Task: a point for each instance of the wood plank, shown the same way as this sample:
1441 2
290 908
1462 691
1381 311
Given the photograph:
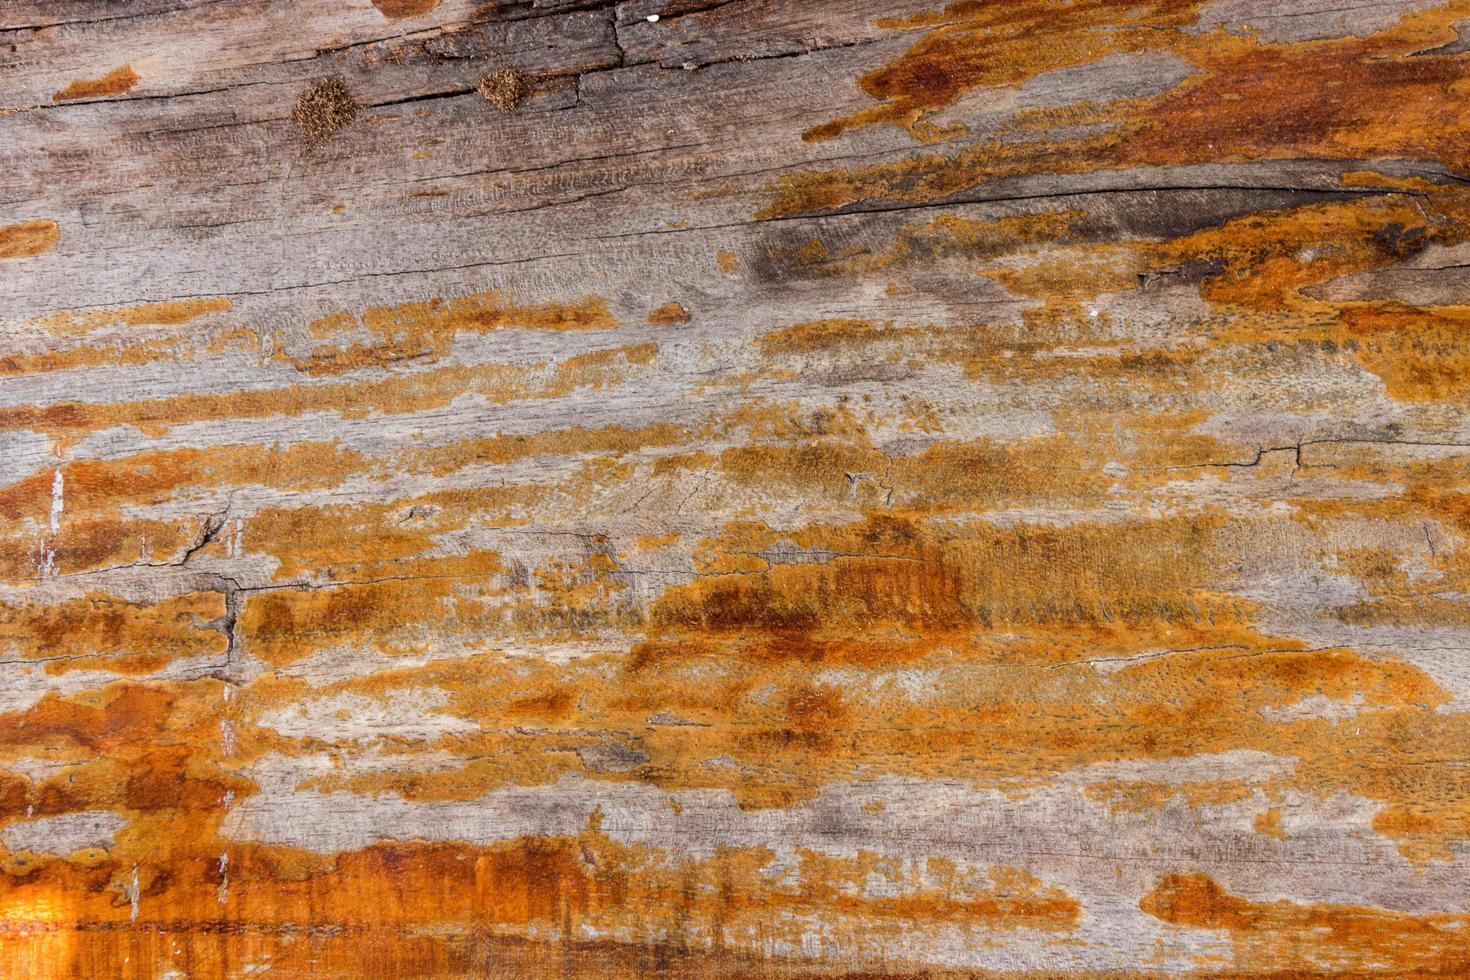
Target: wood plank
837 489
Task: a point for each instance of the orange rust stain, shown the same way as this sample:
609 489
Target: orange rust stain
671 314
28 238
115 82
1335 938
399 9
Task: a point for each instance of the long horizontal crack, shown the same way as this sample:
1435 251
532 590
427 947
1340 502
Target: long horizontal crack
1296 447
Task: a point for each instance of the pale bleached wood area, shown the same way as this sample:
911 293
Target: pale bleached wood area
757 488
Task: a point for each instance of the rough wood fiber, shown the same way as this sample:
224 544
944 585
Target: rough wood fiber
814 489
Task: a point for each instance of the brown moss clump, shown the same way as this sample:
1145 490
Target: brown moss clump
505 88
324 109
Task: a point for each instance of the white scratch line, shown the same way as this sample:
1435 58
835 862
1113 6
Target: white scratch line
56 503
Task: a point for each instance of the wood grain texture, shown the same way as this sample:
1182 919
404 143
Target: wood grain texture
817 489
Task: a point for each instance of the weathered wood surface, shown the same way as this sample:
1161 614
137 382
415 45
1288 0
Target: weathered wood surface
821 488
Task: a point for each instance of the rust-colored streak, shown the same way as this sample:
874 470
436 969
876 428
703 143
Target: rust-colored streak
426 330
115 82
496 383
1329 938
103 632
399 9
28 238
1012 520
671 314
1212 115
167 313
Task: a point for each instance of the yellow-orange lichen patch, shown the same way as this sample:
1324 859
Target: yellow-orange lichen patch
820 335
106 632
671 314
95 488
150 750
166 313
28 238
599 369
93 528
400 393
953 477
156 754
1207 116
1335 938
587 894
384 335
1258 272
347 537
431 389
31 552
609 440
891 570
973 45
1141 796
399 9
40 948
782 735
1420 353
983 239
1260 262
428 607
115 82
1211 115
92 356
1268 822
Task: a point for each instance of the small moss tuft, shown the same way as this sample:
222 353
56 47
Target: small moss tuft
324 109
505 88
